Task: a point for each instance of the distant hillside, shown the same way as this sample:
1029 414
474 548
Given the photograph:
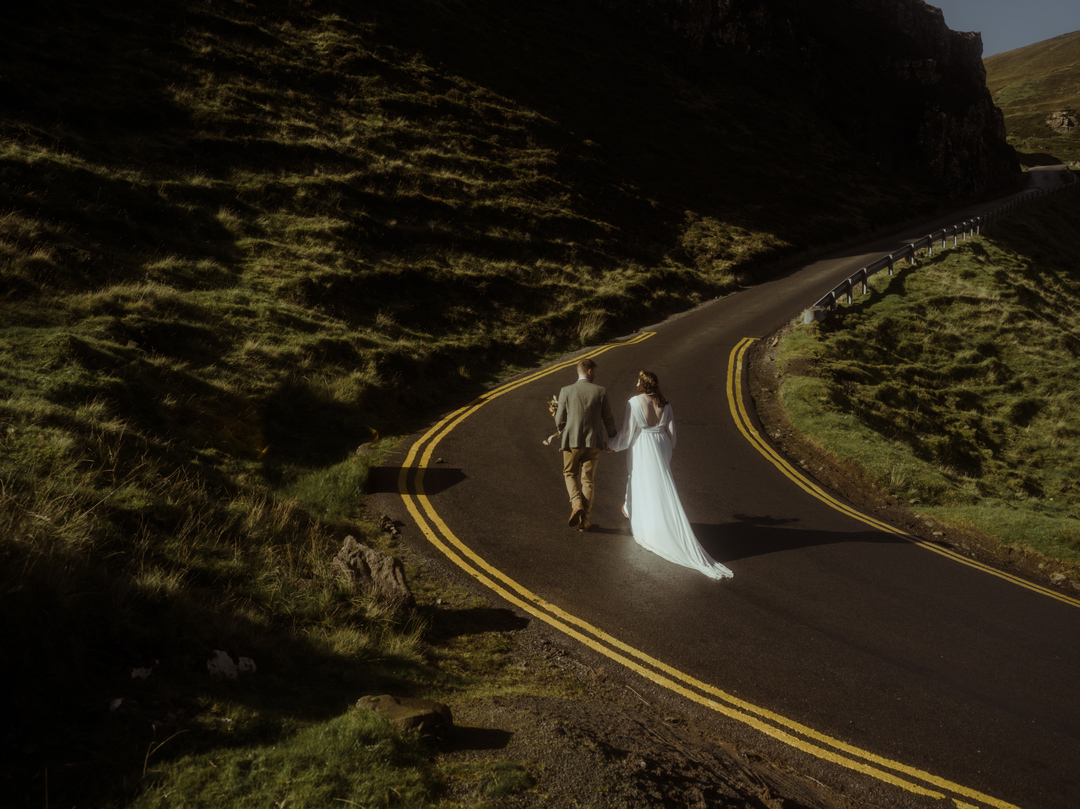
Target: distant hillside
1038 89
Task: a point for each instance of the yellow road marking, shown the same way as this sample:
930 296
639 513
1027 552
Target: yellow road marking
736 401
767 722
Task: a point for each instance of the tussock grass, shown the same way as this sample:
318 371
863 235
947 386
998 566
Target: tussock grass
953 385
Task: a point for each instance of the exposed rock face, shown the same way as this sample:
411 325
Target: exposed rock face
889 74
1063 121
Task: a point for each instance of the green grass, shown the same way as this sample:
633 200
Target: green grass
352 759
953 384
1029 84
238 241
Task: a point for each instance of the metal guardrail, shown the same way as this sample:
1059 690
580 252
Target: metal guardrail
961 231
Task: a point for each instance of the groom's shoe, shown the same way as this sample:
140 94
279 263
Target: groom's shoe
584 525
577 516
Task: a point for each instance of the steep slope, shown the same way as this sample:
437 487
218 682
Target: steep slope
1038 89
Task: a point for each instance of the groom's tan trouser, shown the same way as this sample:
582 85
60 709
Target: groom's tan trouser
579 469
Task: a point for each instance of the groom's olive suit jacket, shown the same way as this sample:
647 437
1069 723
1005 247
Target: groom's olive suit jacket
583 416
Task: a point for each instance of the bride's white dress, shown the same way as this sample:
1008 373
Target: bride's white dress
656 514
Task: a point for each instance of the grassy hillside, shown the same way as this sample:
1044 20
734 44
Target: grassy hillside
953 385
1030 83
237 241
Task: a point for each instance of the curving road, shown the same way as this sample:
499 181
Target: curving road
878 663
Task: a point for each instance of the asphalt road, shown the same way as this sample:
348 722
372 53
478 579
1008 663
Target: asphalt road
847 644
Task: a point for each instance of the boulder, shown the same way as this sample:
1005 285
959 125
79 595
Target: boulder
424 716
375 573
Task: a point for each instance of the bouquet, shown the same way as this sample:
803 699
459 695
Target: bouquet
553 408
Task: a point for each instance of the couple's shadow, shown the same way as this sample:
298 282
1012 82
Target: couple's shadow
755 535
611 532
750 535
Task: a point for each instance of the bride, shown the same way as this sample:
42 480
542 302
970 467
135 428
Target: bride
656 514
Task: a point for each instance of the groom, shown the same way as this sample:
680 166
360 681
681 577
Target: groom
583 415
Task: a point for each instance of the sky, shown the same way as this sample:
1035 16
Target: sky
1009 24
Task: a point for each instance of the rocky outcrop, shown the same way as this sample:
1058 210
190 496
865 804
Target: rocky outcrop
1063 121
889 74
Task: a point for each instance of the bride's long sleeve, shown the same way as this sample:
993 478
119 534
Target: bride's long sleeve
625 436
670 424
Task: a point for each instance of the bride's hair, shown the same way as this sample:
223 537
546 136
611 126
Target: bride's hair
650 386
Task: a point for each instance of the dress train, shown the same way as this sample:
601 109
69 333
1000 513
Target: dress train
657 518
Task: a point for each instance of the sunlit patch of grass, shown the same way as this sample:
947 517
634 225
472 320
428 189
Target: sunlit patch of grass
591 326
353 759
952 385
335 493
719 249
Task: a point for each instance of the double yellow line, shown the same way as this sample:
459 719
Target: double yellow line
746 427
770 724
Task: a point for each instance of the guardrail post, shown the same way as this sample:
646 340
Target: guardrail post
865 288
890 264
912 259
930 245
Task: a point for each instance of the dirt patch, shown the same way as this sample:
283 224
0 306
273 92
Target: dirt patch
611 747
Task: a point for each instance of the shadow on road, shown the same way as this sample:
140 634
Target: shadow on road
451 623
384 479
755 535
612 531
